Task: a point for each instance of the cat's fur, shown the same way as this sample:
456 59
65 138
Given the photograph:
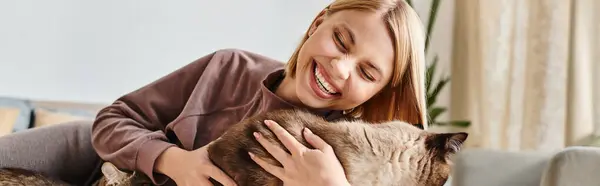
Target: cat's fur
22 177
391 153
112 176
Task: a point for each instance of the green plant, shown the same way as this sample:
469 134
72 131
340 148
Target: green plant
433 90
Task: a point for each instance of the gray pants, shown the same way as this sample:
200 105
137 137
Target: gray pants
63 151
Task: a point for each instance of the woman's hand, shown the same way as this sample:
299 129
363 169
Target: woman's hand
191 168
304 166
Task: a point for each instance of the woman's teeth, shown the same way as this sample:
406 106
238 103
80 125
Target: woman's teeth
323 85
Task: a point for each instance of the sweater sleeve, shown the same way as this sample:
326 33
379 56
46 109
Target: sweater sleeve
130 133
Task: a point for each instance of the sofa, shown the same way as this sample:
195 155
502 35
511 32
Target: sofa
18 114
571 166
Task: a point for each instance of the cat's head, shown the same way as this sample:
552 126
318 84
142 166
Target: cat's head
112 176
418 157
440 147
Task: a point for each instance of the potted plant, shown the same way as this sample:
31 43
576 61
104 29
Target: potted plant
433 88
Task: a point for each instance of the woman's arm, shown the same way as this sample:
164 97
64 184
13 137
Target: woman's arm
130 132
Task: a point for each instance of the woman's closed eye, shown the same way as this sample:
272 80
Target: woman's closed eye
366 74
338 38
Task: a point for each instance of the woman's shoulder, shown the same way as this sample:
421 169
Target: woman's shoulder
239 58
234 76
243 66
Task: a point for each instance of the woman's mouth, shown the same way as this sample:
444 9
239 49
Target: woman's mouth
320 84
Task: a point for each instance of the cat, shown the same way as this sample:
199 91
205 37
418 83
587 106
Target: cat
388 153
10 176
111 176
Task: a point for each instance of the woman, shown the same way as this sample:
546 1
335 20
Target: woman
359 58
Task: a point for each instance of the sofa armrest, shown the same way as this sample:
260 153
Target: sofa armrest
573 166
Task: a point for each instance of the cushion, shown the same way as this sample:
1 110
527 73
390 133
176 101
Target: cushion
15 114
45 117
8 119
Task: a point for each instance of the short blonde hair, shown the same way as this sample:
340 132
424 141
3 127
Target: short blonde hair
403 98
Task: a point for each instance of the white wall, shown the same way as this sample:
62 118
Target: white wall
441 43
66 49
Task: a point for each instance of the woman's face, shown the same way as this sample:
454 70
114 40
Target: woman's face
346 60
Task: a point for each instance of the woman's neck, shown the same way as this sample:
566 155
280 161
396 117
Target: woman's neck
286 90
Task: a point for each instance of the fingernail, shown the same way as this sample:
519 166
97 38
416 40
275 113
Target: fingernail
268 122
256 135
307 131
251 154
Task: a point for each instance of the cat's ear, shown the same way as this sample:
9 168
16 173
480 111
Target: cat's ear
111 172
446 143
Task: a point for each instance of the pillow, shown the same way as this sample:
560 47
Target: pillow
45 117
8 119
16 114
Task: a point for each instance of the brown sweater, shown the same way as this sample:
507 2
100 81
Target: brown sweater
188 108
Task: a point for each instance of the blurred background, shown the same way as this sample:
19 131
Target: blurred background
521 73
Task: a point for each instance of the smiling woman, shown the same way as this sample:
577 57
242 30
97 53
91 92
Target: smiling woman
360 58
364 57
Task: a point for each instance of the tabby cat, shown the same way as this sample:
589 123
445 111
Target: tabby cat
21 177
112 176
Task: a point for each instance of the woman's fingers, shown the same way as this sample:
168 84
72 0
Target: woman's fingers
277 152
201 182
293 145
220 176
272 169
315 140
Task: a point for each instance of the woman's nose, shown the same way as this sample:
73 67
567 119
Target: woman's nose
341 68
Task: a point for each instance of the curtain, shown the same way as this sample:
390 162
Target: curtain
524 73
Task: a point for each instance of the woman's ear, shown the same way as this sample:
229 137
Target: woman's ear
318 20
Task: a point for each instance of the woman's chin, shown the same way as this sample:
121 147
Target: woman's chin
312 102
